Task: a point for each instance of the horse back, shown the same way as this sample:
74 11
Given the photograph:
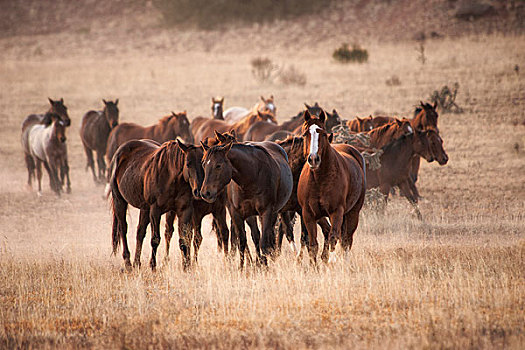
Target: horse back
259 130
94 131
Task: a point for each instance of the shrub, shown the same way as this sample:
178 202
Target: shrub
393 81
345 55
292 76
446 99
263 69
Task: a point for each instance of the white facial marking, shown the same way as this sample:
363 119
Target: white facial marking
331 257
208 162
216 108
314 139
271 107
410 129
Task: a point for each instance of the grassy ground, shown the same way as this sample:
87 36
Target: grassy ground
454 280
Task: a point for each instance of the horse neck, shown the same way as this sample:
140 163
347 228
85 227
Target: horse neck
381 136
242 125
244 165
400 151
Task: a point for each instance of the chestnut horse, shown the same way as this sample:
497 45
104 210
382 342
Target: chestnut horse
168 128
94 133
155 179
331 184
260 130
235 114
360 124
58 108
47 145
208 128
216 113
262 184
293 147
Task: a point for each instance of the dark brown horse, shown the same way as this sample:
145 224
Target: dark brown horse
155 179
58 109
261 186
208 128
360 124
94 133
332 184
260 130
216 113
168 128
396 164
47 146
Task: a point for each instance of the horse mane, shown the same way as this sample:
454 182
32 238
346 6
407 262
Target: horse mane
382 131
167 157
49 117
218 148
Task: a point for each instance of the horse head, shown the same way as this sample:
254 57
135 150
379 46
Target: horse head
436 146
192 168
111 112
268 105
332 119
59 128
367 123
404 128
421 145
316 138
427 115
218 170
266 117
179 124
58 108
217 107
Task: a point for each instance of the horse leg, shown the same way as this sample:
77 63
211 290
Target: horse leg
311 227
410 196
286 228
238 227
268 235
39 176
154 218
234 238
219 218
101 166
30 164
52 181
141 233
336 219
350 222
185 236
197 236
325 228
64 169
168 231
256 235
119 215
90 162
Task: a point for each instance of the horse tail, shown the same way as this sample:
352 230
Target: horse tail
111 191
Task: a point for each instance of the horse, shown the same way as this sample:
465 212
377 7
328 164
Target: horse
155 179
261 186
360 124
260 130
202 208
293 147
47 145
266 105
393 130
58 109
208 128
280 135
94 133
167 128
396 165
216 113
332 183
332 119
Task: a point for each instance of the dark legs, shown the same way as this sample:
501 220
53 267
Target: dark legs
154 218
238 228
90 162
168 231
311 227
101 166
185 236
141 233
268 235
121 226
30 164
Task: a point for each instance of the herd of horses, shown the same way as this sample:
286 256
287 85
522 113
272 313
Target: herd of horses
239 161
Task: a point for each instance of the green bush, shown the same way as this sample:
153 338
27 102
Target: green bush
345 55
207 14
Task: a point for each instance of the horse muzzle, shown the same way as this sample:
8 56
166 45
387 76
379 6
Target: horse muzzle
114 124
196 194
443 160
63 139
313 161
208 196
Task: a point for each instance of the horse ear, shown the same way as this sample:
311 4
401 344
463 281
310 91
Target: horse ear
61 100
306 105
227 147
205 146
306 115
322 116
262 98
51 101
221 100
334 111
233 133
316 104
421 103
271 97
103 100
182 146
173 114
220 137
435 104
116 102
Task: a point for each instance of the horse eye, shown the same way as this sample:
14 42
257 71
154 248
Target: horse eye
218 166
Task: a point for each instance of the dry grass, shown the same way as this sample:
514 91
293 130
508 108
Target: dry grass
453 281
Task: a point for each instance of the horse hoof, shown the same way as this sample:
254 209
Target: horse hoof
39 193
332 257
68 190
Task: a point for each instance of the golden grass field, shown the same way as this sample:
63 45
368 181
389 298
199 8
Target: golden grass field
454 280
